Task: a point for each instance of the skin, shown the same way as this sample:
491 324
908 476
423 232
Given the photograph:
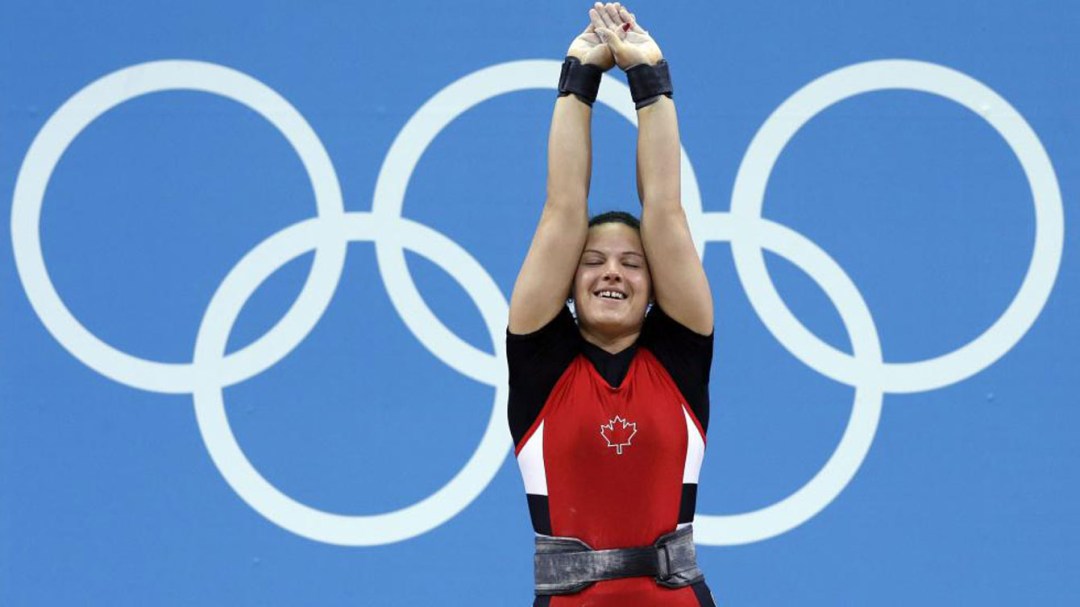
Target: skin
613 262
556 261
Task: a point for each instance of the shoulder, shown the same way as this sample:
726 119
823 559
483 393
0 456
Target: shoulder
536 361
559 332
686 356
659 326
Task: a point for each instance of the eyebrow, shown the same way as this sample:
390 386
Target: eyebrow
599 252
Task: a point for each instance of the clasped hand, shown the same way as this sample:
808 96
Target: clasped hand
614 37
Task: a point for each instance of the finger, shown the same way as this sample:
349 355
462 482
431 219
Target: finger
590 35
613 41
612 20
626 21
594 17
605 16
628 18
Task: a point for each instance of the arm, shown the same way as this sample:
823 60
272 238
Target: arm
544 280
679 283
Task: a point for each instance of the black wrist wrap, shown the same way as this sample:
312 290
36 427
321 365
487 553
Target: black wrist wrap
581 79
648 82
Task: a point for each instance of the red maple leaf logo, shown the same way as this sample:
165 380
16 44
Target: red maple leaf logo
618 433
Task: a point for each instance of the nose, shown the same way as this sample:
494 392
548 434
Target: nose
612 274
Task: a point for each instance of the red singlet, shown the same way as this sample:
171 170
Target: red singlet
610 445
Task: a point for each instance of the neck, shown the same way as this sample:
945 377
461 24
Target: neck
612 344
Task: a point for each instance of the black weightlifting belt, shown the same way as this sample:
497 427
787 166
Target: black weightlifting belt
565 565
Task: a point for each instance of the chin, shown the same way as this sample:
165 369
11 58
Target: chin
614 324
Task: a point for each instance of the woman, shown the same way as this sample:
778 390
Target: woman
608 411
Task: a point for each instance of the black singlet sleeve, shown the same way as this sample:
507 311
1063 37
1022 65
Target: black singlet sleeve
536 362
686 355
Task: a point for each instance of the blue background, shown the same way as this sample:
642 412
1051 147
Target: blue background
969 494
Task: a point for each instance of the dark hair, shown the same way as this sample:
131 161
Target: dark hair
616 217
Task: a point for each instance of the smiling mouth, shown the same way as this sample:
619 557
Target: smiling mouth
606 294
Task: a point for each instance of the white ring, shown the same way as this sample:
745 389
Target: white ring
749 193
252 487
329 234
65 125
826 485
410 144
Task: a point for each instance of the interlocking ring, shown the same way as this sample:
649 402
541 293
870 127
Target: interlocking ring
61 130
864 369
329 233
781 126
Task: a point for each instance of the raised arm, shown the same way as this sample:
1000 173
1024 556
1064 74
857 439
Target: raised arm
679 283
543 283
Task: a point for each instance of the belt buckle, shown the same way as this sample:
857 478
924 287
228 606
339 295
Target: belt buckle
663 562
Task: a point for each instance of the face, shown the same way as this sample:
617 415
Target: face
612 285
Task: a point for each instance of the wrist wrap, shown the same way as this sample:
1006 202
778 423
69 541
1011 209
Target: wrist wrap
581 79
648 82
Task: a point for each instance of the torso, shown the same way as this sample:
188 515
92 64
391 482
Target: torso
612 461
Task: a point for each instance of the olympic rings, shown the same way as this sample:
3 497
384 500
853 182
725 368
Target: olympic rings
329 233
221 314
85 107
781 126
401 159
845 461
